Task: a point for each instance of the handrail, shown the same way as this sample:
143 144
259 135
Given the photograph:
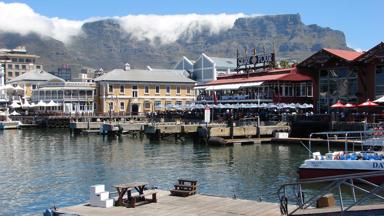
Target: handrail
335 183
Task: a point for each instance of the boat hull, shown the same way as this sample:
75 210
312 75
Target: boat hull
308 173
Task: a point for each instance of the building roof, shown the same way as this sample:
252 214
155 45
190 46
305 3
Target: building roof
156 75
375 52
224 62
35 75
345 54
292 76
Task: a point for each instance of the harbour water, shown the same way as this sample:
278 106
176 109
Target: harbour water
42 168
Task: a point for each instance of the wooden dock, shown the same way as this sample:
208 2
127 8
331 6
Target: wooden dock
187 206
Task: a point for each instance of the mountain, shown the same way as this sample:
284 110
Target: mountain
106 44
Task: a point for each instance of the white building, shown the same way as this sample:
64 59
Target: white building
206 68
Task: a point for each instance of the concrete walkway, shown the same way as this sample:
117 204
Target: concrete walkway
175 206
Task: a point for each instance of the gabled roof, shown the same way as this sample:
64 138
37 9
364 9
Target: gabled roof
36 75
292 76
345 54
376 51
156 75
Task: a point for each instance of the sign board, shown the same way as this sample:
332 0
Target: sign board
255 59
207 115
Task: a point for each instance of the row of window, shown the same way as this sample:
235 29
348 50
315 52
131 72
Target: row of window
27 60
17 73
147 104
146 89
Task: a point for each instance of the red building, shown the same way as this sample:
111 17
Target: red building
345 75
270 86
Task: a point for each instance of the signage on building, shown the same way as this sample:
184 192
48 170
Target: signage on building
207 115
254 59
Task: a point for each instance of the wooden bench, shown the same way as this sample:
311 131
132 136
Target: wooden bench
184 188
141 198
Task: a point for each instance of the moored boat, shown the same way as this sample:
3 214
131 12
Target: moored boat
370 157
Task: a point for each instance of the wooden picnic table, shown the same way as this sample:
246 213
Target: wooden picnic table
127 188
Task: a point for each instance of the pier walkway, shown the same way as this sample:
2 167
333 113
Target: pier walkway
187 206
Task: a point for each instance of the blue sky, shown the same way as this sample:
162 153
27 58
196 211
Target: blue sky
361 21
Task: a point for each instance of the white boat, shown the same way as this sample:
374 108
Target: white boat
4 125
369 157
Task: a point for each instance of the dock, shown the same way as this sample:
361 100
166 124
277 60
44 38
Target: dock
187 206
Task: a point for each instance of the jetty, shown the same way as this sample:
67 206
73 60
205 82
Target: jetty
193 205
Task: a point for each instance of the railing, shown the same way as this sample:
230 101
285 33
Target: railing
293 193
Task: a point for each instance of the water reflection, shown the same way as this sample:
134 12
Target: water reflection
45 167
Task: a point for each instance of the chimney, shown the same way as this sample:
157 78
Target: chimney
127 67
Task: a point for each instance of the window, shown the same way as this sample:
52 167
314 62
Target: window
147 105
28 60
179 103
157 104
157 89
122 106
14 59
379 81
146 90
34 86
21 60
309 90
10 66
122 89
38 66
17 73
188 90
10 74
134 91
24 67
177 89
17 67
110 106
110 88
168 90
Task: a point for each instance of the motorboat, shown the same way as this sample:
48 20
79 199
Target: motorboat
369 156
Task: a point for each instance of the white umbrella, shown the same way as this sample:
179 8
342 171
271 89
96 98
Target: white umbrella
15 105
26 104
52 104
15 113
18 88
8 87
41 104
380 100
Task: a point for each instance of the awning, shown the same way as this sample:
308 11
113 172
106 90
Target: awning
224 87
252 84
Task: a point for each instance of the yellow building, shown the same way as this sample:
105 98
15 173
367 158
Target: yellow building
136 92
32 80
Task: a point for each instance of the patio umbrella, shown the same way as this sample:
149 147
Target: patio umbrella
26 104
349 105
380 100
15 113
52 104
7 87
368 103
338 104
41 104
18 88
15 105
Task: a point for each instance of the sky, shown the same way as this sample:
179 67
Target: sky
361 21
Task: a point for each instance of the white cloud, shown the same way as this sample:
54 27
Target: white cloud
20 18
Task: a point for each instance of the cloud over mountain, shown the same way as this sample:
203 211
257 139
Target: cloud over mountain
20 18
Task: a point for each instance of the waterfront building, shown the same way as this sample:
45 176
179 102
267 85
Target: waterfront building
17 62
268 86
345 75
206 68
33 80
70 97
133 92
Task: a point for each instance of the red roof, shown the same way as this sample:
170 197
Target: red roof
345 54
292 76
